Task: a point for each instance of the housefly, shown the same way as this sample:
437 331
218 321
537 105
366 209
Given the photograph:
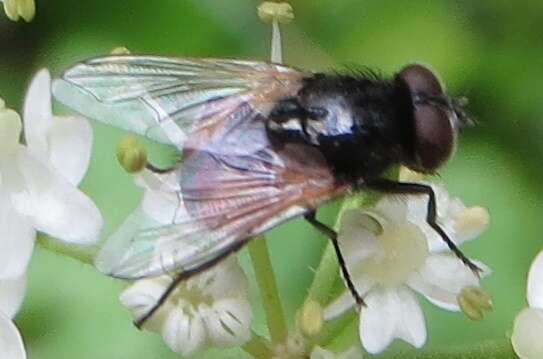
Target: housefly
261 143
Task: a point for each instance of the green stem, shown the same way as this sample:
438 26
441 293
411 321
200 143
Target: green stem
83 254
258 347
258 250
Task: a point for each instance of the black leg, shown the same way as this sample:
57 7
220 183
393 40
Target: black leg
332 235
158 170
139 322
389 186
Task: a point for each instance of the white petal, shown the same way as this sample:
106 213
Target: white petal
526 338
11 343
391 210
356 240
442 278
16 240
535 282
226 279
410 326
54 205
70 144
142 295
345 301
391 313
10 131
12 293
37 111
228 322
184 334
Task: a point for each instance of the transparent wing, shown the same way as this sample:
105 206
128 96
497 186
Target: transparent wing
166 98
219 203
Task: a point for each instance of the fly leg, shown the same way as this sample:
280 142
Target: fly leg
332 235
158 170
182 276
388 186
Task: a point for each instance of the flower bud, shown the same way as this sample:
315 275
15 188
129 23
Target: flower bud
20 8
273 11
131 154
474 302
121 50
310 318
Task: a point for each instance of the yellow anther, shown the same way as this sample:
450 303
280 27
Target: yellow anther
310 318
131 154
474 302
121 50
270 11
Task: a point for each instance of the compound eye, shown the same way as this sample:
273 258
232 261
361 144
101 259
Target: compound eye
421 80
435 134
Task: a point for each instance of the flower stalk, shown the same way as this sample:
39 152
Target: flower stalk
258 347
275 316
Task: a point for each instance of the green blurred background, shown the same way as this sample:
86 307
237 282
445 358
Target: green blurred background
490 51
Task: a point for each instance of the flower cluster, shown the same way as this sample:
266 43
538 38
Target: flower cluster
211 308
392 252
38 192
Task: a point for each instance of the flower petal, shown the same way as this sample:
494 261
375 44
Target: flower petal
12 293
70 144
391 313
11 343
16 240
37 114
355 237
535 283
10 130
142 295
442 278
54 205
228 322
226 279
526 338
184 334
345 301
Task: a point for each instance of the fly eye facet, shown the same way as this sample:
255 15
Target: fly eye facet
435 132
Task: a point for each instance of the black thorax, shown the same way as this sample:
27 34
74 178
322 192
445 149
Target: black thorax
361 124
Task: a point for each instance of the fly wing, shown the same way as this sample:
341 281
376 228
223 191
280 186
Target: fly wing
221 200
169 99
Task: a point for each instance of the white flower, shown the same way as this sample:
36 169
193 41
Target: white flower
526 338
208 309
38 181
11 296
391 251
19 8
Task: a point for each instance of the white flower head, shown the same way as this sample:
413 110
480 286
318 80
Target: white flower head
38 192
209 309
38 182
528 326
16 9
391 252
